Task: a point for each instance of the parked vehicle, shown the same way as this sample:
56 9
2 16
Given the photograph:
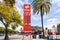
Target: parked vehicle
34 35
37 33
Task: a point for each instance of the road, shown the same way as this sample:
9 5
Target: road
19 37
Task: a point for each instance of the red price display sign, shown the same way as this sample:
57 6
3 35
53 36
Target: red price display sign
27 14
27 17
27 8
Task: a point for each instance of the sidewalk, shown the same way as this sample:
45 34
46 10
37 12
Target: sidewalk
19 37
39 39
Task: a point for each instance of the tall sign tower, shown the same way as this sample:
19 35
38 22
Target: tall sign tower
27 18
27 21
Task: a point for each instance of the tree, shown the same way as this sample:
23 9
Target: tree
10 31
41 7
8 16
2 30
10 2
58 27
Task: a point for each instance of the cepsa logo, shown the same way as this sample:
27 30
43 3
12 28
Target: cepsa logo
27 8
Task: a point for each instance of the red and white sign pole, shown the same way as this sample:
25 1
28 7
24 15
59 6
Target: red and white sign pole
27 21
27 17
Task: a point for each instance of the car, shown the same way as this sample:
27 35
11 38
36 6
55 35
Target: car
34 35
37 33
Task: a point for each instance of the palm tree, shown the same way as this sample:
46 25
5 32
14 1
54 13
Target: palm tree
41 7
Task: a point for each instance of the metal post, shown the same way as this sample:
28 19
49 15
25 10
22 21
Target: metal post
26 36
23 37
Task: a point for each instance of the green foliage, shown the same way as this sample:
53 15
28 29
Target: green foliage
10 31
58 25
37 4
2 30
10 2
9 15
14 27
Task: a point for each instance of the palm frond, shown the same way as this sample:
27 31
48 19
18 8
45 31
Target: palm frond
38 3
48 3
47 8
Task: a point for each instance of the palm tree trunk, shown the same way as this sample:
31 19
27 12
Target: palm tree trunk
42 20
6 34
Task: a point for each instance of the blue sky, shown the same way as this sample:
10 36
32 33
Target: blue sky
52 18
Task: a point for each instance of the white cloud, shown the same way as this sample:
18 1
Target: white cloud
26 1
52 20
20 10
55 1
19 5
1 0
49 26
57 11
19 2
36 24
35 17
45 16
58 4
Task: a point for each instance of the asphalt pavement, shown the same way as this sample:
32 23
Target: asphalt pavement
20 37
